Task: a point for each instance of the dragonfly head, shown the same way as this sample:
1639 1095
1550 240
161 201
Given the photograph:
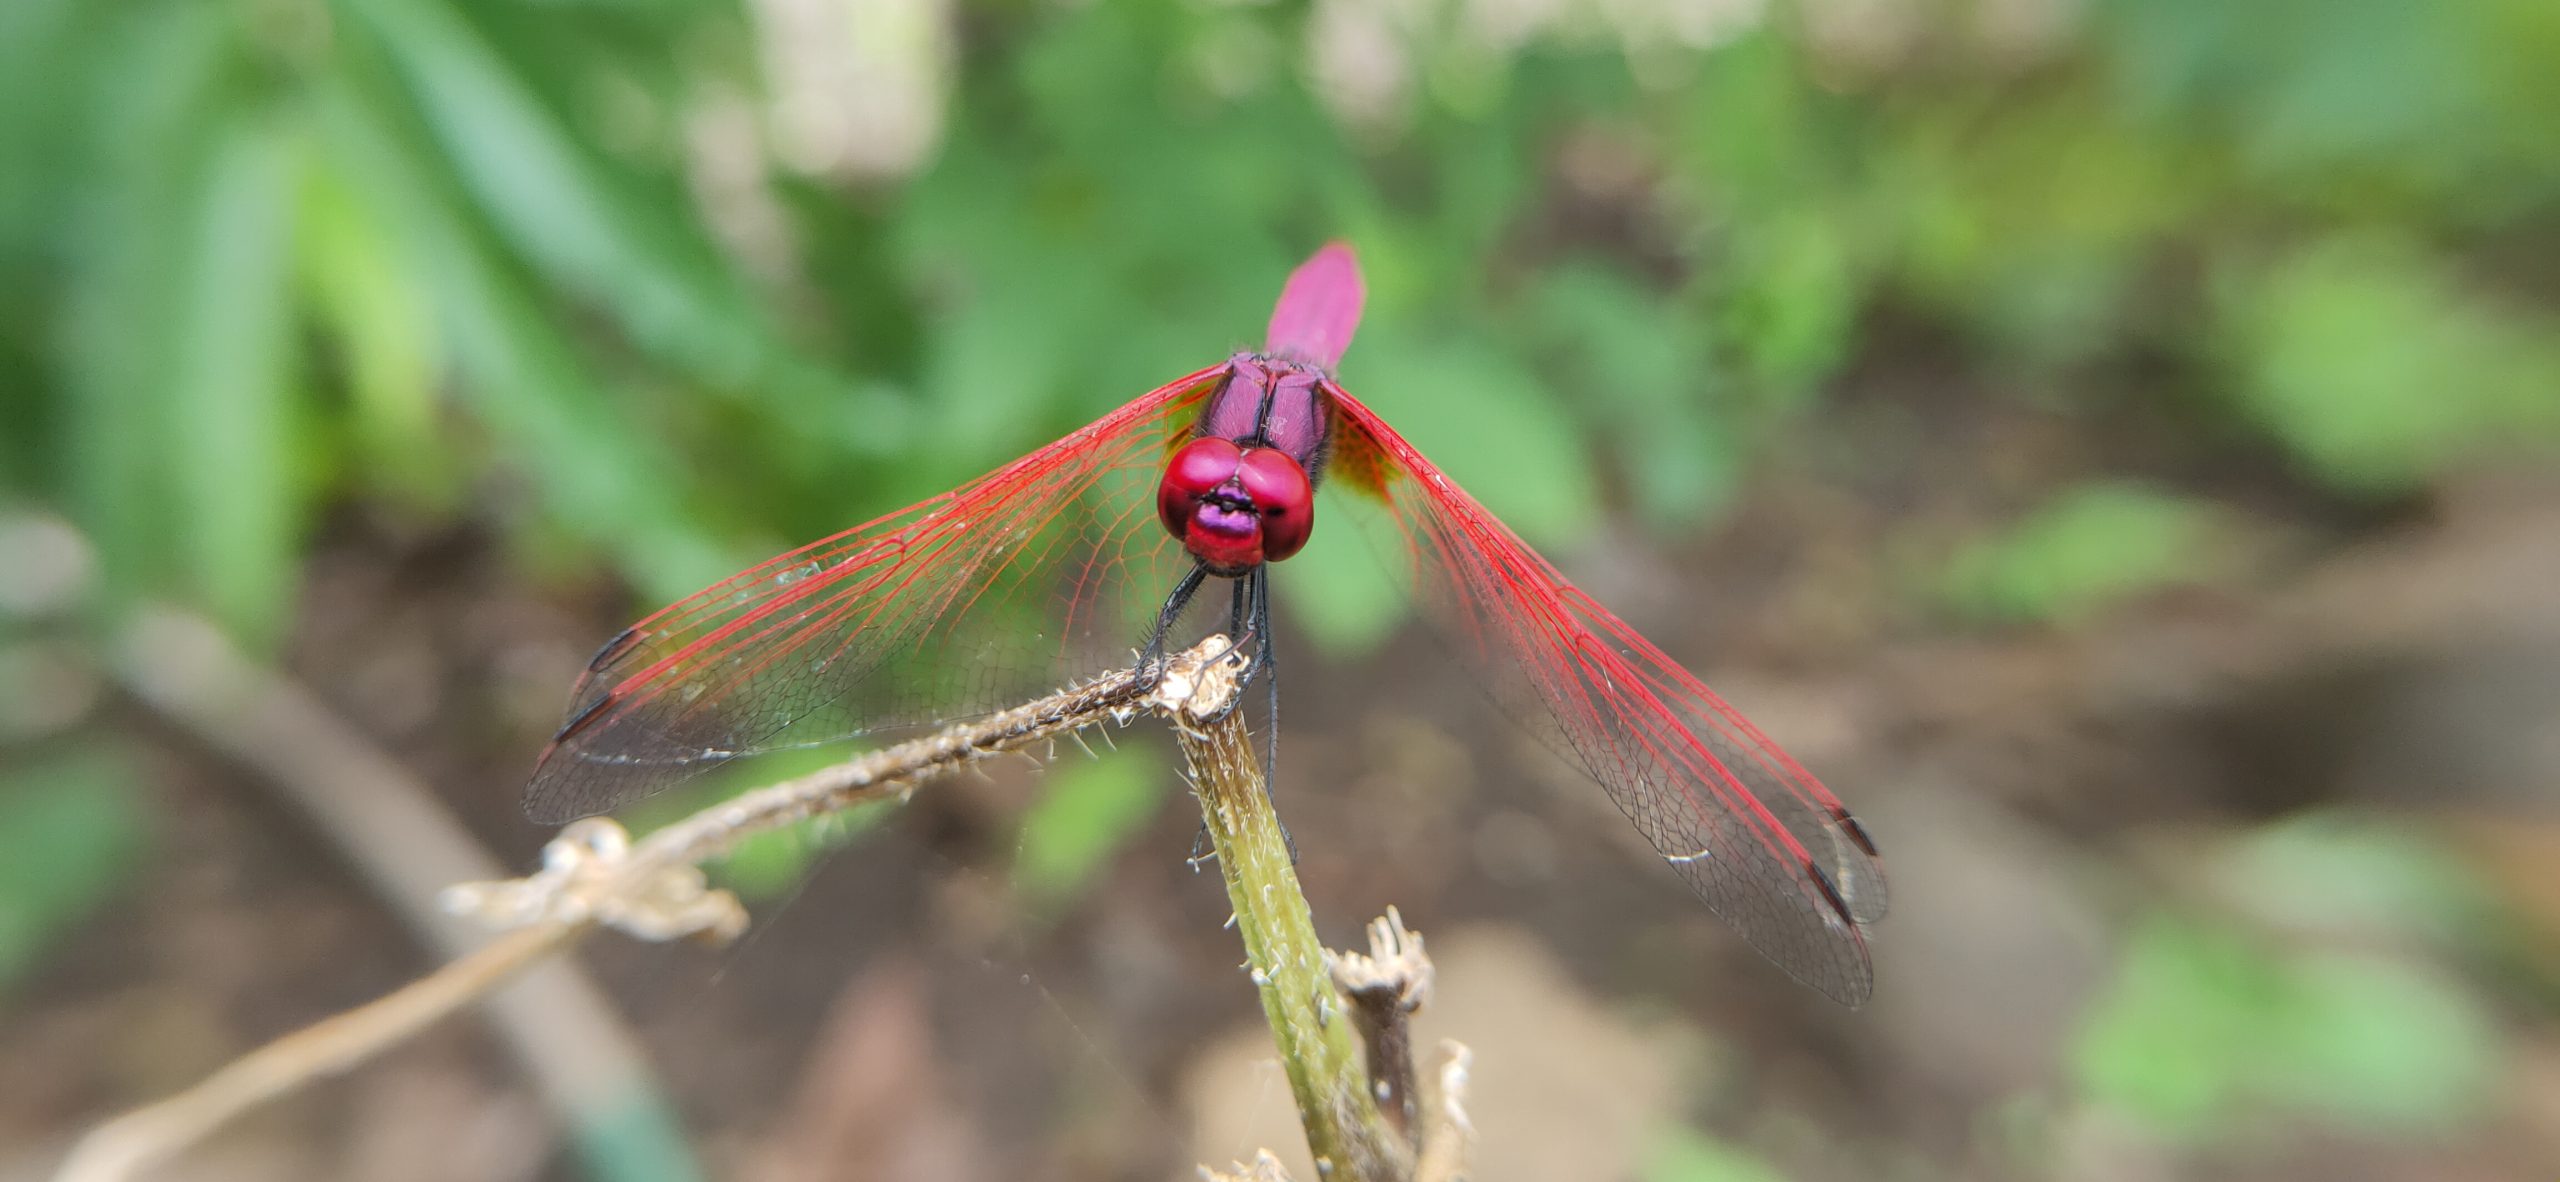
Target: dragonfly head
1235 508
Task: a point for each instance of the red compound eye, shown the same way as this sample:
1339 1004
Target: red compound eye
1235 508
1284 498
1200 466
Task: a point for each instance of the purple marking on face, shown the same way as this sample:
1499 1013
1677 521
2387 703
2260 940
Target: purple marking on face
1212 517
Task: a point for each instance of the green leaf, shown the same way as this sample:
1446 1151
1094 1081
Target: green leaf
2203 1028
557 205
1637 364
231 405
1686 1155
72 830
1089 810
2354 877
2091 547
130 252
1791 303
2174 1038
363 293
2378 370
1344 592
2381 1047
555 421
1487 424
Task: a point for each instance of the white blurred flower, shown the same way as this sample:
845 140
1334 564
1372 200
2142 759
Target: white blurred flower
1363 56
1360 63
726 165
1654 25
1863 35
858 86
1505 27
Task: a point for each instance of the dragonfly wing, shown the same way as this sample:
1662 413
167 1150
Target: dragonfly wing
1048 568
1764 844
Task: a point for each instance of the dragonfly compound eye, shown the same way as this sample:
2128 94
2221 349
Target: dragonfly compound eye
1192 474
1235 508
1283 496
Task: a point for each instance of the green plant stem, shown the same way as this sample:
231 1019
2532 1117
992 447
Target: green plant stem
1319 1048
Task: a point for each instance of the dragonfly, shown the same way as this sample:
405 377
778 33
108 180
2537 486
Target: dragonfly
1101 544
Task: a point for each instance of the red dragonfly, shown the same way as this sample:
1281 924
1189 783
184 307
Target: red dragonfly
1048 567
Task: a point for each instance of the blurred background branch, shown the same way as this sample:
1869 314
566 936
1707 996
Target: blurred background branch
593 874
564 1034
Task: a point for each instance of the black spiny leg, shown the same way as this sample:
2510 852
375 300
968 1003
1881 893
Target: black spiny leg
1151 658
1236 618
1266 665
1249 621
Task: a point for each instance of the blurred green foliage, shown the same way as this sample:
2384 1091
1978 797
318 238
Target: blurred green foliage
74 827
1689 1156
2207 1031
479 258
555 270
2090 546
2378 369
2321 1010
1087 810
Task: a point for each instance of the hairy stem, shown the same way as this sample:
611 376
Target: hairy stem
1319 1046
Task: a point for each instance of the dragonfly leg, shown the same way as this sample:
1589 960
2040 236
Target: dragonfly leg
1266 666
1249 620
1152 657
1240 611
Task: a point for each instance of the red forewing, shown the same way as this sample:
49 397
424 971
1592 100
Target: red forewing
1757 837
1045 569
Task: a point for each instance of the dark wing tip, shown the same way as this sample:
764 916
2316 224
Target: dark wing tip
584 715
1857 832
1851 982
557 795
1859 872
622 642
1830 892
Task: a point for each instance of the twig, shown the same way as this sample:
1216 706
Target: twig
592 875
1318 1048
1385 986
563 1031
652 889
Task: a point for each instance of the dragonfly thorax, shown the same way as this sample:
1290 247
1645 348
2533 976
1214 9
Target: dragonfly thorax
1242 492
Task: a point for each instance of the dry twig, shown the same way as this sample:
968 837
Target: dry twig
593 874
562 1029
1385 986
